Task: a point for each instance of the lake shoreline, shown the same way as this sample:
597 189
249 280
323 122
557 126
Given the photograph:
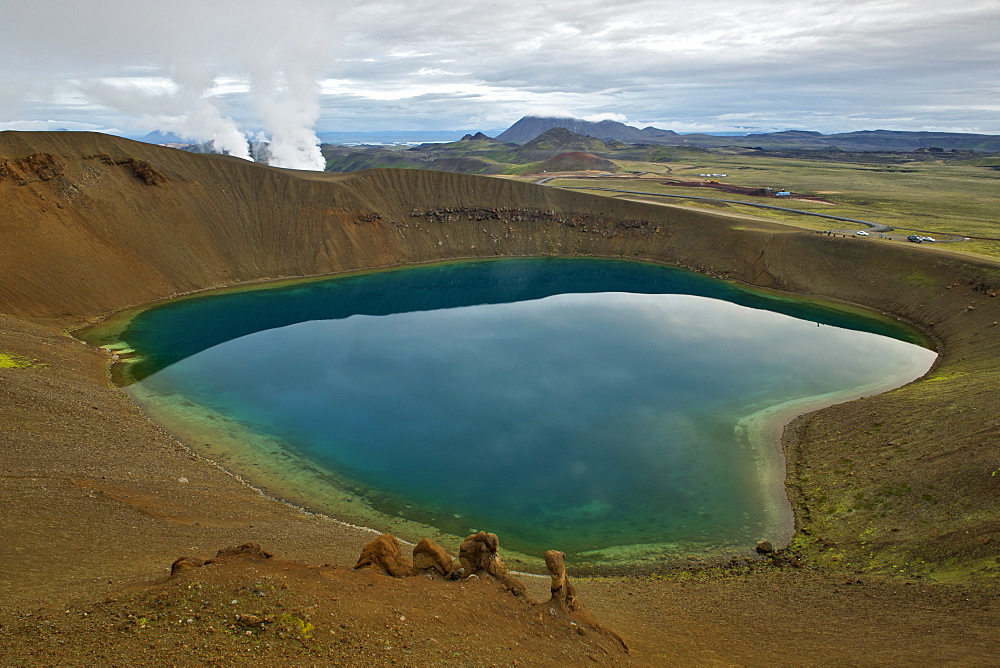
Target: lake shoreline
305 484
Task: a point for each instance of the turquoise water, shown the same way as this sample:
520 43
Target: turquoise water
590 406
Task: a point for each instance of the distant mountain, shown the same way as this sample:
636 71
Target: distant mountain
470 143
158 137
878 140
530 127
560 140
390 137
481 154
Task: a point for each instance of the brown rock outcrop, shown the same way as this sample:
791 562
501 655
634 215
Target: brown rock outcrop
480 553
385 555
429 557
185 563
765 547
563 591
251 550
30 169
142 169
565 602
246 550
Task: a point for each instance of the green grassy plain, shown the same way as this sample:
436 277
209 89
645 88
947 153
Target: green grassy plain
933 197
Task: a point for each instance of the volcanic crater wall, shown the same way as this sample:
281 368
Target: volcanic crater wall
92 224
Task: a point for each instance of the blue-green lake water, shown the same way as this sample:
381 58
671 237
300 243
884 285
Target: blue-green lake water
613 410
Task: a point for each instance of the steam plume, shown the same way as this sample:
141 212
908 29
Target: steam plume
162 63
289 107
184 108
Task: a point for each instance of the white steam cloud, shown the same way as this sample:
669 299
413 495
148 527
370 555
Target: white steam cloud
289 116
284 86
149 61
206 123
180 104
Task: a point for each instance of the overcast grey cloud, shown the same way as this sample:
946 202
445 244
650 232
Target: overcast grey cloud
215 70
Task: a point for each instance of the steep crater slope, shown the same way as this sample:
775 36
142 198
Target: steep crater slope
906 482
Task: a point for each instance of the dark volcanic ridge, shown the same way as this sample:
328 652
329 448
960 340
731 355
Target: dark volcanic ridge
530 127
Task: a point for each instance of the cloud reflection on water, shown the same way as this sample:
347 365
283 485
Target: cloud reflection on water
581 410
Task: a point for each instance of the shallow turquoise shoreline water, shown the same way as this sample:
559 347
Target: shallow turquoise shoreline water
598 407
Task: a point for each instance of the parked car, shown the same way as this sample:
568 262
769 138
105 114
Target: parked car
914 238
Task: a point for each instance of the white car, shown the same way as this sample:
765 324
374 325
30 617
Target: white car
861 233
931 239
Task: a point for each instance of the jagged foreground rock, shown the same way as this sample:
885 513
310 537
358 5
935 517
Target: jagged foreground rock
479 556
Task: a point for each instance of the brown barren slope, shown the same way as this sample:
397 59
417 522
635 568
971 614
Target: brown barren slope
896 496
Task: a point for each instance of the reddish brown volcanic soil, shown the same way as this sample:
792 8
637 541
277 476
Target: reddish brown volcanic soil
896 496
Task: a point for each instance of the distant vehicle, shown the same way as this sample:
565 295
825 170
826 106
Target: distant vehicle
914 238
931 239
861 233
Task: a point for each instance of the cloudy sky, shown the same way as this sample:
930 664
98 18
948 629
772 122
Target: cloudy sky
212 67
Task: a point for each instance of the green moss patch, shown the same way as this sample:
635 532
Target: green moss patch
12 361
945 376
